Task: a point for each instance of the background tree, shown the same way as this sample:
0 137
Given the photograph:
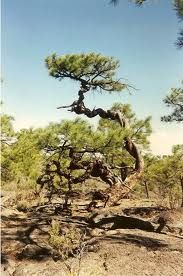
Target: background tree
7 133
7 130
26 159
164 178
175 101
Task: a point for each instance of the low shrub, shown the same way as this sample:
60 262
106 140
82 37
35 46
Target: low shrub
65 240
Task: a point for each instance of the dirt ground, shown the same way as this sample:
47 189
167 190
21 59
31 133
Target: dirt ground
127 252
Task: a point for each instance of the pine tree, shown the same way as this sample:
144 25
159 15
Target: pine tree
174 100
97 72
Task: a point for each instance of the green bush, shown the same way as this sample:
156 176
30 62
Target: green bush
65 240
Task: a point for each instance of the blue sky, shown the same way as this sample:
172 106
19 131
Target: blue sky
141 38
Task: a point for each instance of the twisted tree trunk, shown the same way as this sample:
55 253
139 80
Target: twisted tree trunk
118 188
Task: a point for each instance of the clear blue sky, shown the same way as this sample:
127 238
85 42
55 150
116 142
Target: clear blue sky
141 38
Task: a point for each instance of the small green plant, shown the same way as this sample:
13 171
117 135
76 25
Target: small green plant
69 242
65 240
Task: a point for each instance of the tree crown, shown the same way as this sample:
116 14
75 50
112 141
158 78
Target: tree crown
94 70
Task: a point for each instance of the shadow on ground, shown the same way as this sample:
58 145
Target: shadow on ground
25 235
139 240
